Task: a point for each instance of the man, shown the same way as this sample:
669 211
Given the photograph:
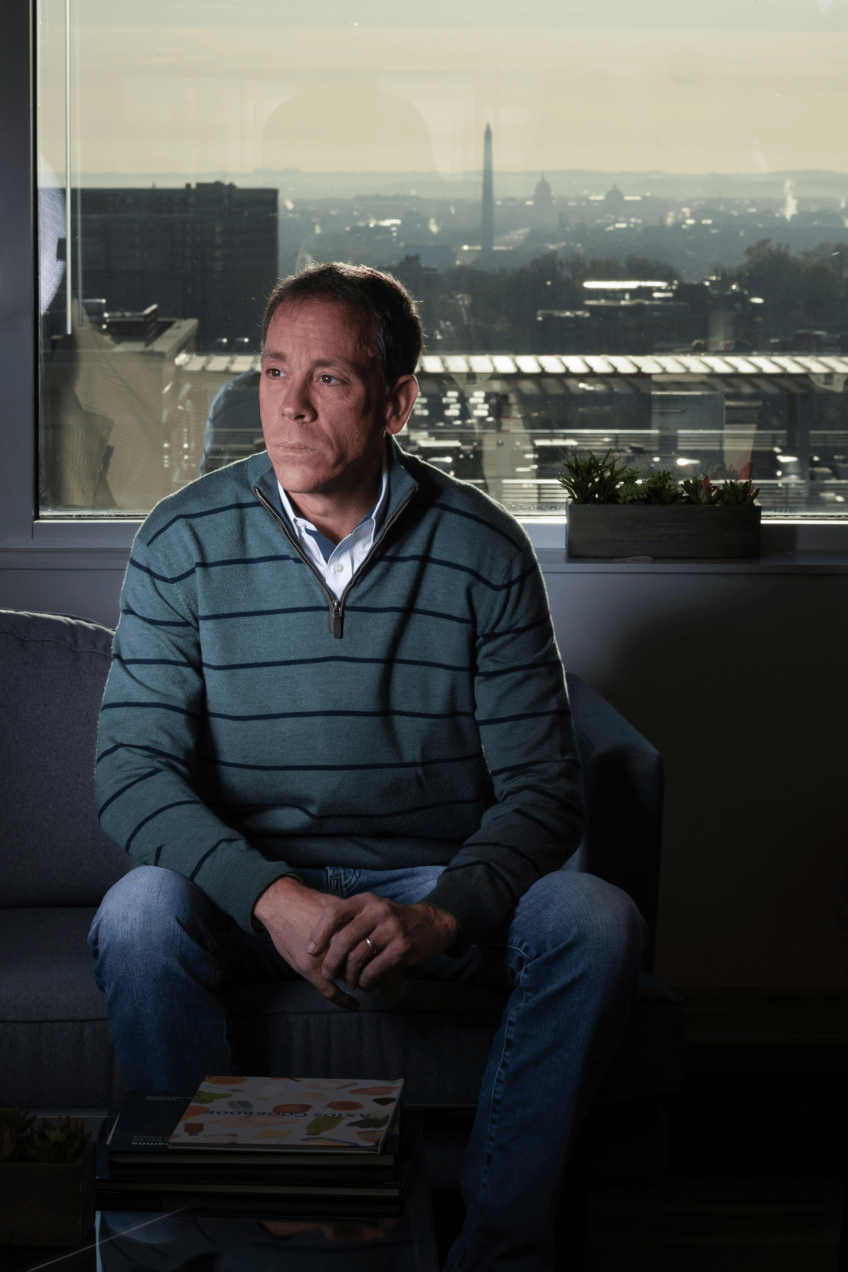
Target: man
336 735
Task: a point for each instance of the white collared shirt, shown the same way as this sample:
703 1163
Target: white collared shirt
346 557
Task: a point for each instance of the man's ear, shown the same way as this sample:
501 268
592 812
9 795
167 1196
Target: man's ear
401 400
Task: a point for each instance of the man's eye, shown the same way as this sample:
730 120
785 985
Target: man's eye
326 378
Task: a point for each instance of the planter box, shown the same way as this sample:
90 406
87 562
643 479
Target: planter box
676 533
47 1204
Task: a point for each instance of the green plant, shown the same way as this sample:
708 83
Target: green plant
64 1140
602 480
739 492
593 480
10 1144
700 490
16 1119
653 488
14 1123
61 1141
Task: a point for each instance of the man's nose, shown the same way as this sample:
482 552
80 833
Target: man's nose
296 399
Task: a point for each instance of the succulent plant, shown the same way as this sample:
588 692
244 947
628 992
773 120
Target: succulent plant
654 488
593 479
62 1141
10 1144
602 480
700 490
739 492
18 1120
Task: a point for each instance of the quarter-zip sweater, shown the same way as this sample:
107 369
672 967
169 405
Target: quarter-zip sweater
253 722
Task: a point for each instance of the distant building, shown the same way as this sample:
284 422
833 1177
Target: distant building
544 215
487 215
438 256
614 201
207 251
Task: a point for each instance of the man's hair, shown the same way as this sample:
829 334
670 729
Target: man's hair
374 295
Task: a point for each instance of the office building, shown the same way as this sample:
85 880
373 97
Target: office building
205 251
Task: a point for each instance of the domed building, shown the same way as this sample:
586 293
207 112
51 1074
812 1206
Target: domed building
614 201
544 216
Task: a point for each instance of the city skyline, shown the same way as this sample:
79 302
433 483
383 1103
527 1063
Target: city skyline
811 184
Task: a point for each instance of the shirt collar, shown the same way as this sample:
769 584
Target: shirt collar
376 514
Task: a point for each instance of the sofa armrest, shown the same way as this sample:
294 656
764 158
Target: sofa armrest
52 672
623 792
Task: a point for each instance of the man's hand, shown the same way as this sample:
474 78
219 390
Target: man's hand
397 936
323 937
289 911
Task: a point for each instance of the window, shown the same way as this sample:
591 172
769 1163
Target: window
543 178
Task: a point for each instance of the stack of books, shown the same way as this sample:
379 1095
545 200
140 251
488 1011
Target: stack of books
297 1145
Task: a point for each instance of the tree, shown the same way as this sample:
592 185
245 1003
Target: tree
644 268
772 273
800 291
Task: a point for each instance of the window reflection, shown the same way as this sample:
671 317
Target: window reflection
546 188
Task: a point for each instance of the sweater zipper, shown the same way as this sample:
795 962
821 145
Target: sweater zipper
335 603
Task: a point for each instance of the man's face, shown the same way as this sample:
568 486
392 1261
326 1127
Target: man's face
324 406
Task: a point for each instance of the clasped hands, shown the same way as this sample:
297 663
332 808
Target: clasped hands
323 937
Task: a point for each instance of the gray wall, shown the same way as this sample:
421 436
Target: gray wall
738 676
740 681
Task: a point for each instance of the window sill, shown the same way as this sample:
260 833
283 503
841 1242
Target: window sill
788 547
768 563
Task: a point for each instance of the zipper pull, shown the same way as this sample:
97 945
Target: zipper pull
336 620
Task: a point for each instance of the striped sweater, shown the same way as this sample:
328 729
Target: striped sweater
252 724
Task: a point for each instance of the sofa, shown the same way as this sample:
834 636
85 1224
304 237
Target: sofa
56 864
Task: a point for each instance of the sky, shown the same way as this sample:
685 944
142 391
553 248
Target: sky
664 85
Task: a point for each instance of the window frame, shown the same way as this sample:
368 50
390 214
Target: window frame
18 473
21 529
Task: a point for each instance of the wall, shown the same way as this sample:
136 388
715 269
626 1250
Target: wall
739 678
740 681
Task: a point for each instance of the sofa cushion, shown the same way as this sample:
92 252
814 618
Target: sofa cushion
52 674
437 1037
46 967
55 1046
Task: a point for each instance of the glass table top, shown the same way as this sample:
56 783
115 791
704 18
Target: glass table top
182 1238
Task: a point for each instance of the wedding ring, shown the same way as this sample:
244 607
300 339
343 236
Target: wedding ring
372 947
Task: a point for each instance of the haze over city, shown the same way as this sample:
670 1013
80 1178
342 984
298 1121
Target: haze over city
189 90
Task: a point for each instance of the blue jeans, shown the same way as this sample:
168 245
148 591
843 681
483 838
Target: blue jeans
568 962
